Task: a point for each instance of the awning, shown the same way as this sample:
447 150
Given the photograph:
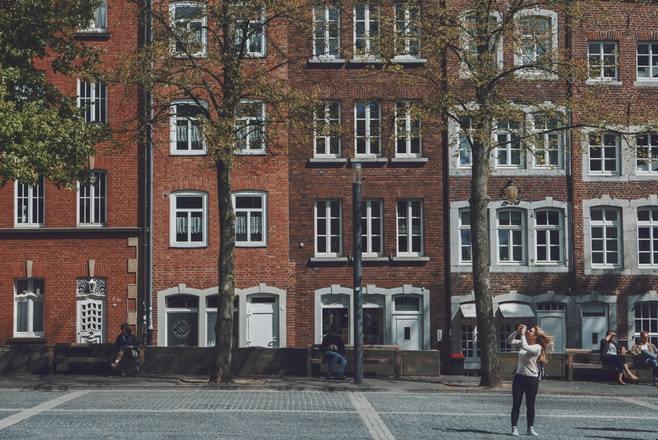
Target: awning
515 310
468 310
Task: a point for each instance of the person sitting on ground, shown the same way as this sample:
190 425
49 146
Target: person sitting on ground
333 349
125 344
614 356
646 354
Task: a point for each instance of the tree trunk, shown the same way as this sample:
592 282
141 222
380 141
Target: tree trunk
221 365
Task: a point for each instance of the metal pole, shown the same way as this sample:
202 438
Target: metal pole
358 273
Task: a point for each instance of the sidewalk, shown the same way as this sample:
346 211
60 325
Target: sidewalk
444 384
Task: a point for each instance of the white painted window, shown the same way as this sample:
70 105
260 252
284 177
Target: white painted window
372 229
410 228
250 35
536 34
182 321
465 139
99 20
511 226
549 233
647 61
604 153
251 127
548 145
326 31
469 32
29 203
508 149
602 59
189 28
188 219
504 330
92 199
606 236
367 125
326 130
647 153
407 130
407 31
647 236
469 344
250 219
465 251
328 228
92 98
646 319
28 308
186 134
366 30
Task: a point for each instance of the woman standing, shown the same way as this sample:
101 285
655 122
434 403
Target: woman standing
613 356
532 347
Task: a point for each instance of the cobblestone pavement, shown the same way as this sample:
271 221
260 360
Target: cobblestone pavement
264 414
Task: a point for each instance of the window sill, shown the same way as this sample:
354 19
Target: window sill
326 60
329 260
410 259
538 75
407 59
327 160
93 34
366 60
403 160
646 83
188 246
27 339
375 259
188 154
603 82
369 160
197 56
250 153
29 226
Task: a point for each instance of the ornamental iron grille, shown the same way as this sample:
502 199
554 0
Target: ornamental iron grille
90 295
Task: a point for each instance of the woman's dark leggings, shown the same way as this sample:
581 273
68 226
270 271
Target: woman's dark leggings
528 385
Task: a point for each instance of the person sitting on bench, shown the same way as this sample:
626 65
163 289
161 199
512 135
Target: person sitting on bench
613 356
124 342
333 349
646 353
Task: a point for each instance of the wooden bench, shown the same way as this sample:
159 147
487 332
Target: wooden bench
93 357
584 359
378 360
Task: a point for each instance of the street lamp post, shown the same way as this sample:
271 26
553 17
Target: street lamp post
358 273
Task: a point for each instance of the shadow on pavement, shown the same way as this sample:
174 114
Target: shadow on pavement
653 431
465 430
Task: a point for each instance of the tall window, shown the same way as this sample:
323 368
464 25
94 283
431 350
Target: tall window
407 130
504 330
647 152
465 150
328 228
372 229
647 236
92 202
366 30
508 149
604 153
251 35
92 97
28 308
602 60
647 61
511 235
367 116
605 224
548 142
251 127
536 34
29 203
465 251
326 31
326 129
469 345
407 32
549 229
250 219
646 319
410 228
189 24
188 219
99 20
186 135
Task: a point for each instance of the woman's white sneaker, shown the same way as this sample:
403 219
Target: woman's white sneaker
531 431
515 432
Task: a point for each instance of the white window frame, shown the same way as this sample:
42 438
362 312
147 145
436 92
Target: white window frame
408 219
509 229
173 129
248 53
408 34
464 140
601 60
33 192
509 134
466 42
327 237
650 160
461 229
604 147
324 135
328 27
94 199
549 229
652 225
30 296
606 224
367 230
263 210
99 22
204 27
247 120
642 307
172 220
404 116
469 345
518 54
652 55
545 143
96 102
368 137
369 51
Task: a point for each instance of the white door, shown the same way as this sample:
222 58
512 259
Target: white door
407 332
554 323
594 324
90 321
262 322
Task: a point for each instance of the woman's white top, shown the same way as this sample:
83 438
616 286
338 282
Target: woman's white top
528 355
644 347
612 348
